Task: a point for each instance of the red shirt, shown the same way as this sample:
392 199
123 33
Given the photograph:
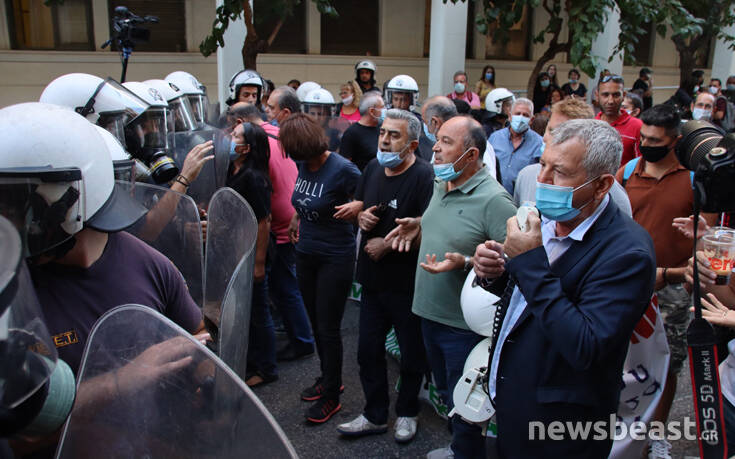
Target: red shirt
283 173
629 129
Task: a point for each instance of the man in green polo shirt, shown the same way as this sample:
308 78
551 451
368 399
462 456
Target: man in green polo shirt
467 208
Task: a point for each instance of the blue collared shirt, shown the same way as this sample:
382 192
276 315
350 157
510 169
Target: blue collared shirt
555 248
512 160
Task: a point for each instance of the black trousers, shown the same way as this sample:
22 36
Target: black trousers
378 312
325 282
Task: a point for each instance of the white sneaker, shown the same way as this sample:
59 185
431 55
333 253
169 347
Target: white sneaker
361 426
659 449
405 428
441 453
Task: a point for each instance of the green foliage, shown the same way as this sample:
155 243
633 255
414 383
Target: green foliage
230 10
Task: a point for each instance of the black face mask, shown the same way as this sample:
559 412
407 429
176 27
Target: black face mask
654 154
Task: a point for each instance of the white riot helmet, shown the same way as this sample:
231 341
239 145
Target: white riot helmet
195 91
305 88
147 137
56 183
366 64
245 78
478 306
178 103
402 84
495 99
103 102
319 103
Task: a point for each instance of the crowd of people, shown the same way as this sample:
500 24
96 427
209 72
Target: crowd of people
407 197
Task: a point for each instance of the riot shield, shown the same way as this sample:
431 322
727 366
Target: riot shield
230 258
334 128
214 172
172 227
146 388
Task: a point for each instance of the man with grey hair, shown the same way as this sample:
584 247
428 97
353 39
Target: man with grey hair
360 140
395 185
516 146
282 103
574 284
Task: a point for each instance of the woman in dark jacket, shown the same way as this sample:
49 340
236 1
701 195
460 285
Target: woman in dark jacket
541 92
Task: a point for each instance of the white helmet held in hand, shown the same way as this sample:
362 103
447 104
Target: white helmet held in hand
402 84
478 306
305 88
66 174
495 98
319 102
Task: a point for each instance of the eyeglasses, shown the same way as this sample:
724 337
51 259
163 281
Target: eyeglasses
613 78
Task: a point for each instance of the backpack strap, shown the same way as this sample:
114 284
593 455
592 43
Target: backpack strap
629 168
272 136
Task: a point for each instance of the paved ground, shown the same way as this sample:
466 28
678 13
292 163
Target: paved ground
282 399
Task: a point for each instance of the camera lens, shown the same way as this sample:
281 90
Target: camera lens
698 138
163 169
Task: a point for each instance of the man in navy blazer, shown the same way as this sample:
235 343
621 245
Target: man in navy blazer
578 281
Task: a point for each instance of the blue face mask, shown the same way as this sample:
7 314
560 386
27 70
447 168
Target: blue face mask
390 159
428 134
446 172
489 76
572 81
555 202
543 147
381 117
274 122
459 88
545 83
519 123
233 145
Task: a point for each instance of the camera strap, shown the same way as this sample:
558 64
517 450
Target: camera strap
703 367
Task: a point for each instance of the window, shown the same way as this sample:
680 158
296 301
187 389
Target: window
355 31
34 25
518 44
169 34
291 36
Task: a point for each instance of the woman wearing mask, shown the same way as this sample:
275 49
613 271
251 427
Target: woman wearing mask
248 176
351 94
574 87
551 70
486 83
325 250
541 92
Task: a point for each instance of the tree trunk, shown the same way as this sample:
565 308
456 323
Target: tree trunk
548 55
250 46
687 54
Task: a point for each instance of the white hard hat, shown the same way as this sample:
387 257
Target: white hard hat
70 155
245 78
495 98
186 82
478 357
365 64
151 95
402 83
93 97
478 306
305 88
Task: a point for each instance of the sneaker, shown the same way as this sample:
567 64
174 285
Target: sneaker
361 426
314 392
659 449
405 428
322 410
441 453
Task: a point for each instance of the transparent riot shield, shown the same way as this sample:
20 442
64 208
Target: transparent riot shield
214 172
230 258
172 227
334 128
148 389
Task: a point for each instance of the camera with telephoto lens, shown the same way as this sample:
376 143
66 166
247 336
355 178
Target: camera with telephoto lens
704 150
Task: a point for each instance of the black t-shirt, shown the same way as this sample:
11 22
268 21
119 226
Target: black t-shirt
405 195
360 144
128 272
254 186
580 92
643 86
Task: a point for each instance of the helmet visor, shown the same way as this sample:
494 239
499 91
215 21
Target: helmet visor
44 205
321 112
151 128
182 114
114 123
199 106
134 105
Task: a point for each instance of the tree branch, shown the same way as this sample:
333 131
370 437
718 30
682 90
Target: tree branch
276 29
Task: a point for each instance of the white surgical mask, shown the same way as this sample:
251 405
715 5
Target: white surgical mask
713 89
348 100
701 114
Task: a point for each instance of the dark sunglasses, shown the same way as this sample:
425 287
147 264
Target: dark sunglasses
613 78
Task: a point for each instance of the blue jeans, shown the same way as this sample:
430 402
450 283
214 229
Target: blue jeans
447 348
284 291
262 343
